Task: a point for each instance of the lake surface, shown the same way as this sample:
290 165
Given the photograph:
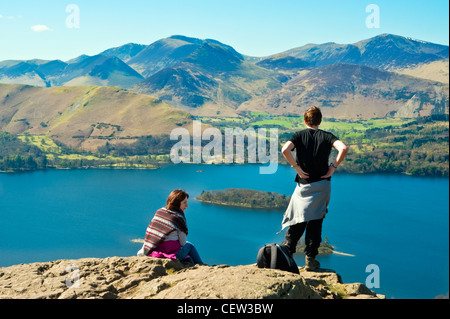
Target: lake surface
398 223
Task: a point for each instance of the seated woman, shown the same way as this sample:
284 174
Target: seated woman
166 234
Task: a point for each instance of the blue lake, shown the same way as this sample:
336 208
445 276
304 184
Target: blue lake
399 223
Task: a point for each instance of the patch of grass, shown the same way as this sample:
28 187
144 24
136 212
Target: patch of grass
281 121
78 157
339 290
43 142
344 129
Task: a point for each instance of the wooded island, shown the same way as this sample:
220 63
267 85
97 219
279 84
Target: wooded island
245 198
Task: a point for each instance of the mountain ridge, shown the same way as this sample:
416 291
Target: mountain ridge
349 91
377 51
58 73
207 77
209 73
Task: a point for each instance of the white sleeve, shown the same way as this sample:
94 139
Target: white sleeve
141 251
182 238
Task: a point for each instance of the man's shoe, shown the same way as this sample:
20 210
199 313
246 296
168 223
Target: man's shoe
311 263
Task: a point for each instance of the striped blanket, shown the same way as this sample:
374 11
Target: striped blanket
164 222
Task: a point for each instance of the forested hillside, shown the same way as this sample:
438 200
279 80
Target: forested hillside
416 147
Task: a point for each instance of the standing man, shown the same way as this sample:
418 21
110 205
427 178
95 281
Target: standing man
311 196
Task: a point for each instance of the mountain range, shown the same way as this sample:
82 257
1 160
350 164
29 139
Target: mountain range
384 51
384 76
99 70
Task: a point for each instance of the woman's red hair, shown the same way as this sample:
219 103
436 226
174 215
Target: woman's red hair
175 198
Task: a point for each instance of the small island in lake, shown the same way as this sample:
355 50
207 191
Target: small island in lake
245 198
325 248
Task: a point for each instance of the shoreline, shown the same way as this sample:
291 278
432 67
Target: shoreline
238 205
141 241
164 164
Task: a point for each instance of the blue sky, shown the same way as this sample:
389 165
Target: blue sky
38 29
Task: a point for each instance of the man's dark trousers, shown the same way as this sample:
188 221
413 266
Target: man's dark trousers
313 236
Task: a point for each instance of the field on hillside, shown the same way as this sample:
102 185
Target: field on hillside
405 146
388 145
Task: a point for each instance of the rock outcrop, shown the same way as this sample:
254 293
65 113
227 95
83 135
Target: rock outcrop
153 278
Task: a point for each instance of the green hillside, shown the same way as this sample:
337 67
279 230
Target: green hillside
416 147
390 145
85 117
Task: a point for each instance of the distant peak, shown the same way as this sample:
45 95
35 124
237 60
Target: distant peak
186 39
398 37
78 59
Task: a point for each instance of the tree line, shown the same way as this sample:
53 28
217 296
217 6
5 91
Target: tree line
17 155
419 148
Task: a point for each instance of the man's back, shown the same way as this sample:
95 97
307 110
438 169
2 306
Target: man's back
313 147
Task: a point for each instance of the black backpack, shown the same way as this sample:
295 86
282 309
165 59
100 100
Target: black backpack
276 257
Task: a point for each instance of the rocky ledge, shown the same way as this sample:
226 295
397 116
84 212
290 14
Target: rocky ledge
153 278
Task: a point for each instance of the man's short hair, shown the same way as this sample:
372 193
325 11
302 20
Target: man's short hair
313 116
